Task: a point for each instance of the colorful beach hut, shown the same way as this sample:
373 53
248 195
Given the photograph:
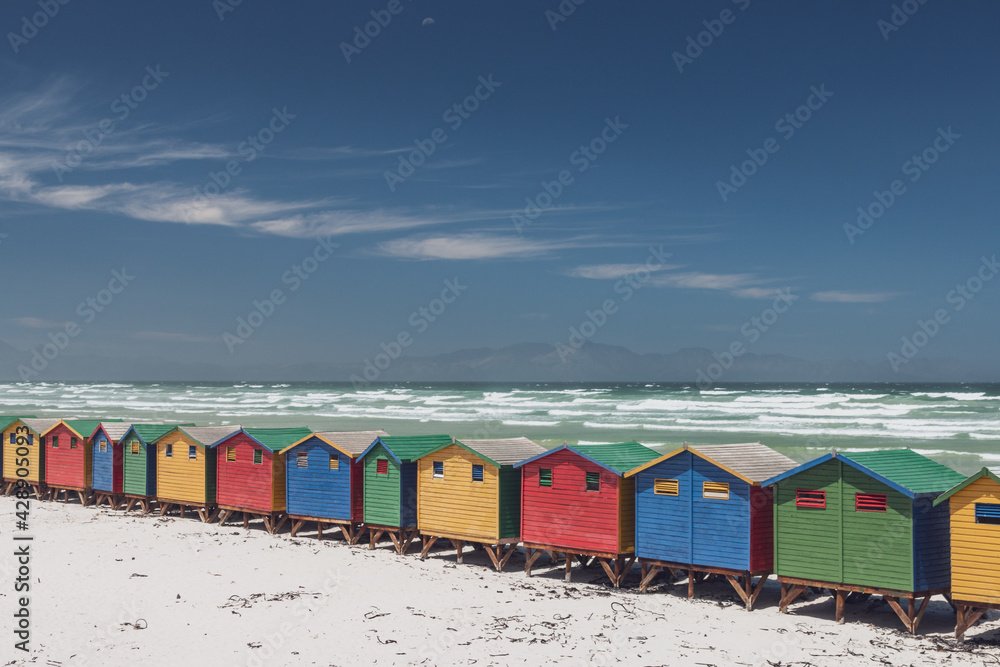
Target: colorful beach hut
30 468
324 481
68 458
186 469
702 510
864 523
106 453
251 474
138 445
14 435
576 500
390 486
974 509
469 492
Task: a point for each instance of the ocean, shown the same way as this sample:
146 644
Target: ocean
957 424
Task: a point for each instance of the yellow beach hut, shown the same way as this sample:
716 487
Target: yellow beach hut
186 469
26 432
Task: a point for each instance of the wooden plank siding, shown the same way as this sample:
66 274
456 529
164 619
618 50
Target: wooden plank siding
107 465
720 527
931 545
663 523
180 478
761 529
807 542
35 463
67 465
455 506
316 490
566 514
510 503
256 487
139 467
975 547
878 546
382 492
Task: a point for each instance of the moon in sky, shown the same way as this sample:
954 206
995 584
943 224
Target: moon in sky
427 21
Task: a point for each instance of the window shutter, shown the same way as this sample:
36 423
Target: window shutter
230 455
192 452
258 457
666 487
103 446
439 469
715 490
545 477
593 481
477 472
987 513
870 502
382 467
134 447
810 499
334 462
302 460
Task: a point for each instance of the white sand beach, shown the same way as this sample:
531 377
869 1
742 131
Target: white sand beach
111 589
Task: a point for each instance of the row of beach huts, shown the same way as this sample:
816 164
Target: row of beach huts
891 523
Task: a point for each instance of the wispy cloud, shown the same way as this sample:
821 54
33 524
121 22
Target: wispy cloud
614 271
36 323
852 297
742 285
478 246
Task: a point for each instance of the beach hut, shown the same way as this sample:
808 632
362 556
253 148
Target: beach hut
10 440
576 500
324 481
138 446
30 467
974 508
106 453
864 523
251 474
186 469
702 510
390 486
68 458
469 492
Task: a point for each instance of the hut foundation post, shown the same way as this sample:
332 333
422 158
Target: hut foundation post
428 544
569 567
533 555
459 546
841 598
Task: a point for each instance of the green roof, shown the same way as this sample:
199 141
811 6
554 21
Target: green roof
411 448
908 469
277 439
7 421
985 472
86 427
620 457
150 433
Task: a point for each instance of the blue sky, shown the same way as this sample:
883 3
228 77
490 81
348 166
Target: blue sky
80 198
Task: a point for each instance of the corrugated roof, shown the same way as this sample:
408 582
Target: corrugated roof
908 469
353 442
411 448
150 433
40 425
114 430
86 427
505 451
277 439
7 421
620 457
751 460
206 435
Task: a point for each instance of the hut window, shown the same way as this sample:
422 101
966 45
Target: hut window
439 469
102 446
382 467
545 477
168 451
55 442
302 460
477 472
192 452
666 487
870 502
231 454
715 490
72 443
13 438
134 448
258 457
593 481
988 513
810 499
334 462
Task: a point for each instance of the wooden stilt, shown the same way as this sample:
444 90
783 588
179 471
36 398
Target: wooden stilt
841 599
569 567
428 544
533 555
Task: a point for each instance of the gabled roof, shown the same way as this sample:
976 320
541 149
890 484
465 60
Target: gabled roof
503 451
7 421
273 439
84 428
904 470
150 433
985 472
39 426
114 431
752 462
618 458
404 449
351 443
205 435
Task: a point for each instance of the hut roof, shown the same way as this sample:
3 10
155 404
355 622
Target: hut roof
904 470
352 443
150 433
7 421
985 472
82 427
114 430
39 425
205 435
617 458
503 451
752 462
405 449
274 439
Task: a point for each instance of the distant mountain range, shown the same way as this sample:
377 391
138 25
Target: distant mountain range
523 362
